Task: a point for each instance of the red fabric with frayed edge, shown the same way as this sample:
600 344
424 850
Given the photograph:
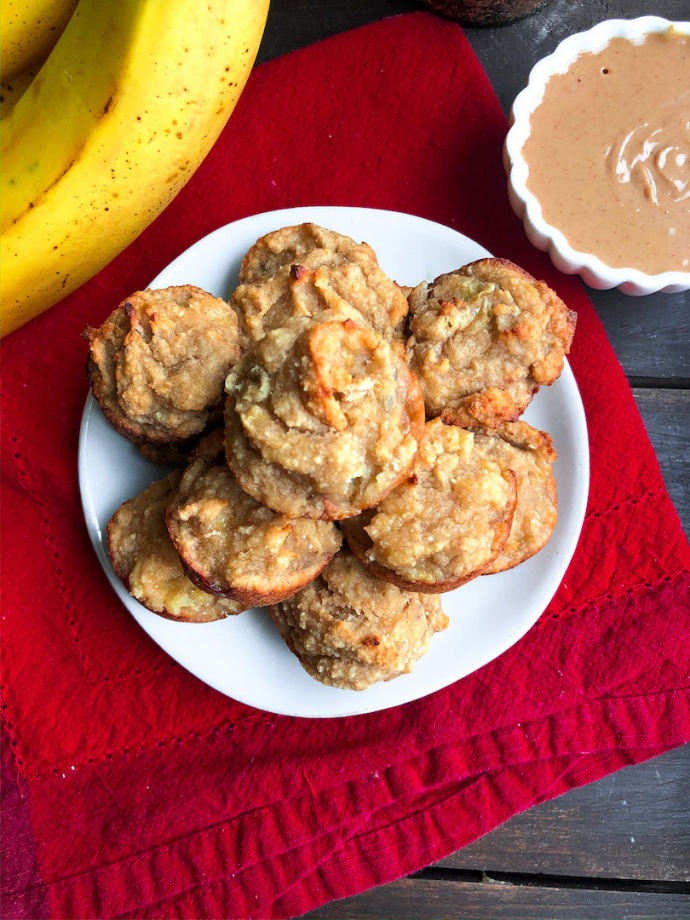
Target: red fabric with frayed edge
131 789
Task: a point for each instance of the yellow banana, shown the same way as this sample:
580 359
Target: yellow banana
126 107
13 88
28 30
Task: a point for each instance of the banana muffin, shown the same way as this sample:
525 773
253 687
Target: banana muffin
530 454
158 363
145 559
322 419
290 244
348 283
350 630
235 547
446 522
483 339
166 454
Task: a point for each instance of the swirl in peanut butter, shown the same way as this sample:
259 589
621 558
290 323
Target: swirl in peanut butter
651 161
609 153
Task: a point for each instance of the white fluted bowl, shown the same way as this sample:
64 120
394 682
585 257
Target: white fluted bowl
541 234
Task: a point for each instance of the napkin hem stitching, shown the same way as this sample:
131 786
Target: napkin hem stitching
495 734
12 735
608 598
26 480
632 500
259 717
228 728
360 837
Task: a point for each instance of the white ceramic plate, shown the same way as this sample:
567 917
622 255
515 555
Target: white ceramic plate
243 656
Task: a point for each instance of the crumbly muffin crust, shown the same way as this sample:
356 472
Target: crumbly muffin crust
349 283
233 546
322 418
484 339
290 244
145 559
158 363
166 454
530 454
350 630
446 522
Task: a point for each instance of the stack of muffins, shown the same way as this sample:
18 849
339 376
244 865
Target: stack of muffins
346 450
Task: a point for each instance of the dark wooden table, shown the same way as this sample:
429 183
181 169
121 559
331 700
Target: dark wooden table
619 847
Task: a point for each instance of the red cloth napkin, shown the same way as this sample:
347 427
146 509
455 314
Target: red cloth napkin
132 789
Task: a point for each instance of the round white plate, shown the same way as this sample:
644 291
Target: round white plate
243 656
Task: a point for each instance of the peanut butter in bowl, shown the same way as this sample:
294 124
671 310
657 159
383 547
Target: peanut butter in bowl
599 155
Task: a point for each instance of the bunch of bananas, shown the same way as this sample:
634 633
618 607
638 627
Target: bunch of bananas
125 107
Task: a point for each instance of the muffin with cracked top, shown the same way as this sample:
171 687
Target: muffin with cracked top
290 244
350 630
158 363
349 283
323 418
235 547
484 339
446 522
145 559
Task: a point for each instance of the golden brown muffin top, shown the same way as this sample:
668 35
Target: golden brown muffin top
322 418
289 244
484 339
158 363
446 521
348 283
145 559
236 547
349 629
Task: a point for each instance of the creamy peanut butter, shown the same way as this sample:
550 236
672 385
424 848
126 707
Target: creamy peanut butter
609 153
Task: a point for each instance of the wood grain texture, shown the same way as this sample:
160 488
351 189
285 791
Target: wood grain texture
617 848
648 334
666 415
632 824
503 901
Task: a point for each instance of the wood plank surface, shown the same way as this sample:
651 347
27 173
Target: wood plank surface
488 897
625 826
649 336
666 415
619 847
